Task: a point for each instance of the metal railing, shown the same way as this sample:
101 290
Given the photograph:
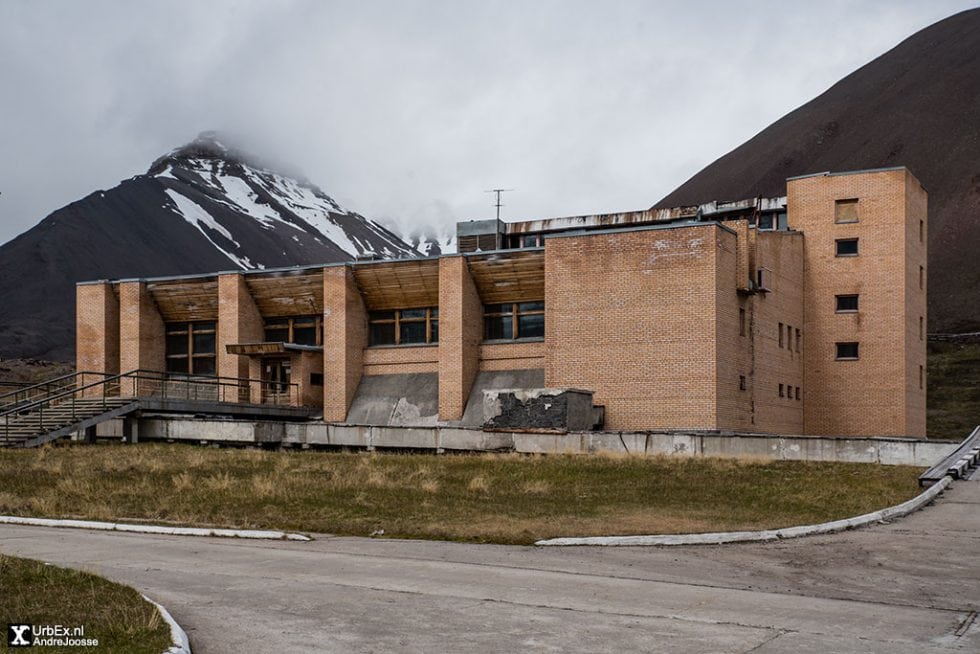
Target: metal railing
28 392
70 402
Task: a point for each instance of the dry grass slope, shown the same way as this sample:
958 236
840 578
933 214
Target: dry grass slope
502 498
37 593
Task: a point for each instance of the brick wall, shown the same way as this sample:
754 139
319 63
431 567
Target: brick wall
345 329
141 330
96 328
632 316
916 316
869 396
460 333
238 322
780 254
527 355
401 359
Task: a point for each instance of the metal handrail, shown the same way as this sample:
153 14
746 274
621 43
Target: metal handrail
168 386
23 394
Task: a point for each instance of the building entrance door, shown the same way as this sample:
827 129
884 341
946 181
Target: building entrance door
275 381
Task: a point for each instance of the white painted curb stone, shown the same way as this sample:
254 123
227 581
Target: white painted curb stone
717 538
152 529
181 644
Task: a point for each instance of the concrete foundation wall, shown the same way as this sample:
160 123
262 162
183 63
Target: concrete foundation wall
495 380
885 451
411 399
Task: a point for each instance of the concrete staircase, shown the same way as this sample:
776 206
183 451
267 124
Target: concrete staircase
40 424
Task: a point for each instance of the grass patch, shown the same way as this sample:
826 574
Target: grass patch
36 593
953 398
503 498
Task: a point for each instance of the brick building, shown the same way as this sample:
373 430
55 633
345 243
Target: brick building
797 315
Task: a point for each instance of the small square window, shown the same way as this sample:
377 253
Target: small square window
846 247
316 379
846 211
846 303
781 394
741 382
847 351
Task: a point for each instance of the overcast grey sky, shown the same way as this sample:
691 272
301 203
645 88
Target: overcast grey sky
410 110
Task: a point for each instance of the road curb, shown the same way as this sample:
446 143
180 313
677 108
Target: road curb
152 529
181 643
719 538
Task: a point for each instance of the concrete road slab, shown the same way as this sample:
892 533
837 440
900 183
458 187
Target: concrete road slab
910 586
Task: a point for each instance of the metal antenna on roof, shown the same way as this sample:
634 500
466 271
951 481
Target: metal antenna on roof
498 191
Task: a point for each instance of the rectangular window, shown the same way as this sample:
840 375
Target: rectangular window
846 211
846 303
316 379
780 334
789 337
922 374
847 351
300 330
741 322
513 320
798 339
404 326
190 348
797 392
846 247
922 278
741 382
765 221
781 394
922 230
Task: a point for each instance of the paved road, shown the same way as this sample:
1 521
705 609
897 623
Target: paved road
909 586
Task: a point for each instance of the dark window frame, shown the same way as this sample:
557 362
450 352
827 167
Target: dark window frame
291 323
515 313
845 297
194 359
837 247
843 346
431 320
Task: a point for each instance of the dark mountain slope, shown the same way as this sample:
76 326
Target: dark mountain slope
917 105
201 208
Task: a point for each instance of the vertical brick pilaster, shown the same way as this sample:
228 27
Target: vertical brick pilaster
344 339
141 330
96 328
460 333
239 321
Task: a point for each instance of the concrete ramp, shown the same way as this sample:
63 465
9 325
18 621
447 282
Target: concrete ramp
396 400
497 380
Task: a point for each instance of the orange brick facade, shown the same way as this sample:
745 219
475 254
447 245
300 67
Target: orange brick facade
690 324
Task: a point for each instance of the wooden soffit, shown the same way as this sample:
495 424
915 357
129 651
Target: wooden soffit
185 300
508 277
285 294
404 284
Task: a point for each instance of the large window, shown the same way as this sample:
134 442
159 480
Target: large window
302 330
404 326
191 347
847 351
514 320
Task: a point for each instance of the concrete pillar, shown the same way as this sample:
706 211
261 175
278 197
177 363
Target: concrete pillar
141 332
96 331
239 321
345 330
460 334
